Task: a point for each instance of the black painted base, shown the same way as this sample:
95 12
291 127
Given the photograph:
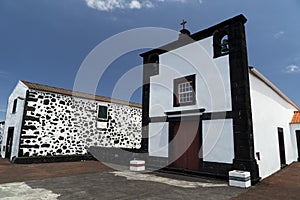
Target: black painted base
116 155
207 169
51 159
157 163
187 172
220 169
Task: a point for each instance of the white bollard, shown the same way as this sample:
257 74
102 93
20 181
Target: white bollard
240 179
137 165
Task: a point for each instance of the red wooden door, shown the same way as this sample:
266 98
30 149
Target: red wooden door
186 145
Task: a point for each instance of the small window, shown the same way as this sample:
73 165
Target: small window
184 91
15 106
102 113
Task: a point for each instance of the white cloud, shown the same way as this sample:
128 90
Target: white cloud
109 5
279 34
148 4
105 5
134 4
292 69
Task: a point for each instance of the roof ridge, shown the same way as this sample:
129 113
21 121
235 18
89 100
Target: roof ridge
68 92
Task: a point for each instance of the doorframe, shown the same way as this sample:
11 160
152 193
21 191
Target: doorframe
10 138
282 154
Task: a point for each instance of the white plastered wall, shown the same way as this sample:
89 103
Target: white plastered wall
218 145
270 111
158 139
294 128
14 119
212 85
212 79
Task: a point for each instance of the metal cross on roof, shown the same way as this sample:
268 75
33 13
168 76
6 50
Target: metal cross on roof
183 24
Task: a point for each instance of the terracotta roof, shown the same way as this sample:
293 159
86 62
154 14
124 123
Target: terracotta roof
47 88
296 118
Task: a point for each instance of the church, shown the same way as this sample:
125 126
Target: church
206 111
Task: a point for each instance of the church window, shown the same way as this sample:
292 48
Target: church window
184 91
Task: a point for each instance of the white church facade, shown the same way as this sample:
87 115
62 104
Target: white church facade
46 124
206 111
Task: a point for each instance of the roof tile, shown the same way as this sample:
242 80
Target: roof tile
296 118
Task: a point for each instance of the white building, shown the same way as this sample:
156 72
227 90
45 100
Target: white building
46 123
205 111
1 132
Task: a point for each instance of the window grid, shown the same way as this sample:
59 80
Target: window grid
185 92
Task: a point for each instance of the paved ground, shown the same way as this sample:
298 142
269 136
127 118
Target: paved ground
285 184
92 180
20 172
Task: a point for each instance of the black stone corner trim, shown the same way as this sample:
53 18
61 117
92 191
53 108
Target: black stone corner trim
244 155
20 152
51 159
150 68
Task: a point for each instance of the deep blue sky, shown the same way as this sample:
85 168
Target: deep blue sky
46 41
